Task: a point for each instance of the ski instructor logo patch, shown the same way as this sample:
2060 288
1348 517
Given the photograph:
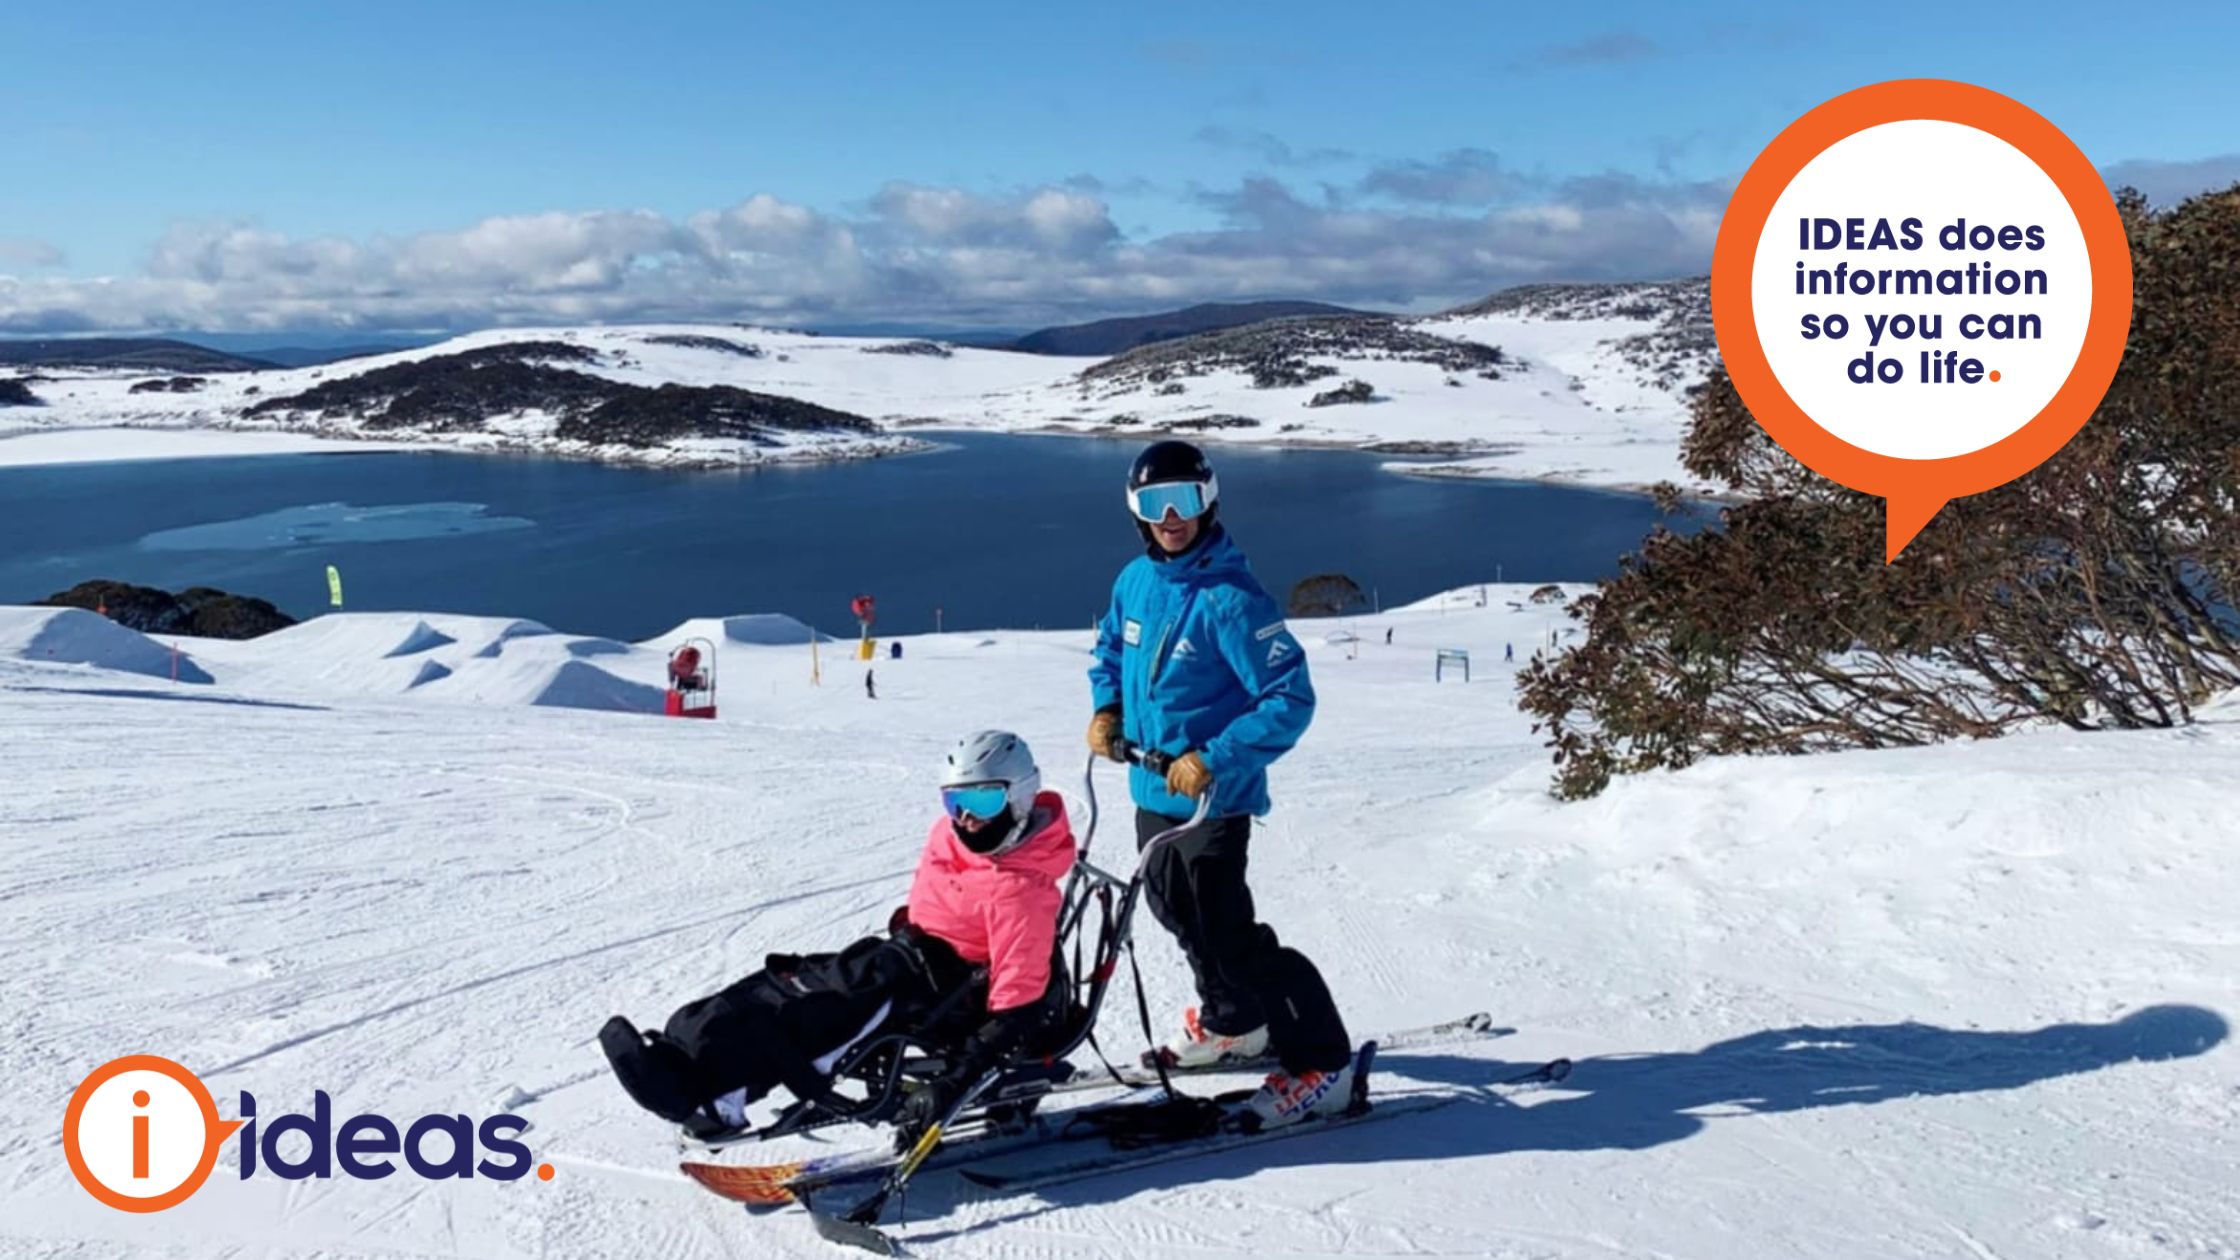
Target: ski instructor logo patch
1278 650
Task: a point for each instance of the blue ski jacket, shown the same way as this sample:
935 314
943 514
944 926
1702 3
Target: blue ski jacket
1196 654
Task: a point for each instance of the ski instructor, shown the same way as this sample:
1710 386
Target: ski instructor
1193 659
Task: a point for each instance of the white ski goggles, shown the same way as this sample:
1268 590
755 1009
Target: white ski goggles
1186 499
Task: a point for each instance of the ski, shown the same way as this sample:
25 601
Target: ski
1478 1024
1111 1160
770 1186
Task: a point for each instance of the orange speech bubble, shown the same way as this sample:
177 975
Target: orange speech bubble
1915 489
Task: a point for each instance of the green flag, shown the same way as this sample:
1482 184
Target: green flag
334 586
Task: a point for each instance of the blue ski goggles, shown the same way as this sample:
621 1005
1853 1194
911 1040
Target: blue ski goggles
1186 499
984 801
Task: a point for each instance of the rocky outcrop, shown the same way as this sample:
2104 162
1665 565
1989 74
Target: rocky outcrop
1353 391
931 349
466 391
17 394
199 611
633 415
170 385
692 341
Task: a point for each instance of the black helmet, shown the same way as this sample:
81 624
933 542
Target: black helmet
1196 495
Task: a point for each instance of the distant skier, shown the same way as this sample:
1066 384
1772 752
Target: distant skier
1508 651
869 690
1388 636
1193 659
986 894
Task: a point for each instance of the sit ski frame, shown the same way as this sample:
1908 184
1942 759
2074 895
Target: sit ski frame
885 1061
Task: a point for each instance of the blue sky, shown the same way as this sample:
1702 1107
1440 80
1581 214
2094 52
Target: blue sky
260 166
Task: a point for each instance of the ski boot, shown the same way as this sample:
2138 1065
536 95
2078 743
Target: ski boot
1287 1099
718 1123
1199 1047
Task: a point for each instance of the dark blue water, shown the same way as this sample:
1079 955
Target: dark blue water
996 531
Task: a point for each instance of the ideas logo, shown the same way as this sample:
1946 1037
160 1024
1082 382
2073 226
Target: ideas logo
142 1134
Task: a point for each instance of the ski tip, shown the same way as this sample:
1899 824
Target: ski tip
1482 1022
757 1186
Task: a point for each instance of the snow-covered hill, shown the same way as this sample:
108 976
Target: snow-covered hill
1955 1002
1555 386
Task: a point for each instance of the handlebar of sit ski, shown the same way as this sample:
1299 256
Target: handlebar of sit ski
1149 758
1157 763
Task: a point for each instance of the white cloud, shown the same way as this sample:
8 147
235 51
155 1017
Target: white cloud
914 252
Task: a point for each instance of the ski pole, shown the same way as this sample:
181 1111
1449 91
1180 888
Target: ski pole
867 1212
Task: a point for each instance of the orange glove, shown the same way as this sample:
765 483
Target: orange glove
1188 776
1104 728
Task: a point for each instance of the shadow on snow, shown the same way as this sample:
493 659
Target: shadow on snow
1634 1102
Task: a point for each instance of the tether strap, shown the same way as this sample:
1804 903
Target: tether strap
1143 1015
1110 1070
1104 965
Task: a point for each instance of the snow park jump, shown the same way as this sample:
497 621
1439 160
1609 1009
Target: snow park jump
1830 879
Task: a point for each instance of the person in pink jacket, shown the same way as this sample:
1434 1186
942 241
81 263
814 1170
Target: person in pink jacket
987 888
985 899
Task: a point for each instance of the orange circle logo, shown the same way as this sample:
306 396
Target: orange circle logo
142 1133
1921 290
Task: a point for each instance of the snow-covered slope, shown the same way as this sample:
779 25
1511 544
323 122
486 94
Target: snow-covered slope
1567 395
485 661
1955 1002
73 636
761 629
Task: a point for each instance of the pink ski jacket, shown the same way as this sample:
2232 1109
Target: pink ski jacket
1001 912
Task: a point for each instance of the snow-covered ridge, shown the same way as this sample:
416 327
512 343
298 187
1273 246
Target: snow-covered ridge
1675 352
1572 393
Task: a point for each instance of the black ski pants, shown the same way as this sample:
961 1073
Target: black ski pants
1246 977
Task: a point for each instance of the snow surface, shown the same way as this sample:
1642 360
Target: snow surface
1569 407
103 446
1968 1001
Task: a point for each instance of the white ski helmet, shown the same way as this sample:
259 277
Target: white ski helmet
980 765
